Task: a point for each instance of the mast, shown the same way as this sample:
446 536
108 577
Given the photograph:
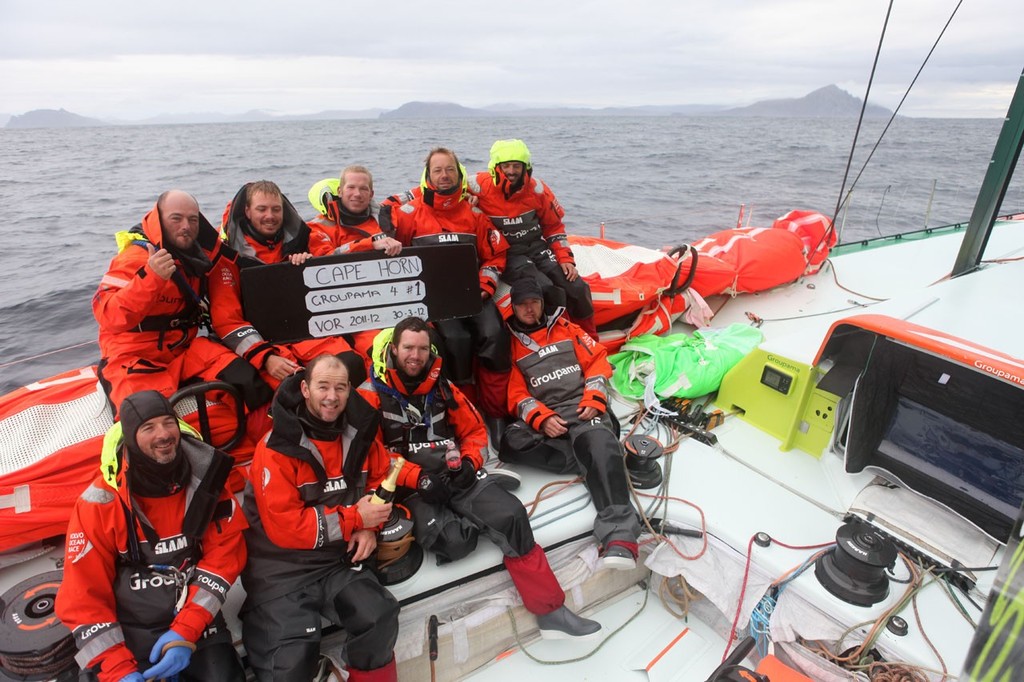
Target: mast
993 189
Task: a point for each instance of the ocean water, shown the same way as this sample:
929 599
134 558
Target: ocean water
654 181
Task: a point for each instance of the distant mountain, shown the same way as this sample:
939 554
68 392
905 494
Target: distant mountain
4 118
257 115
452 110
434 110
53 118
827 102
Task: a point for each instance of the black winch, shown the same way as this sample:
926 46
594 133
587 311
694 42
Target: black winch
34 644
642 453
398 555
854 570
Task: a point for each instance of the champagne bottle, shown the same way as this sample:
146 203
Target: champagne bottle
385 492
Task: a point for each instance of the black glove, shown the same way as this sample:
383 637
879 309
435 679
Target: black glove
433 488
465 477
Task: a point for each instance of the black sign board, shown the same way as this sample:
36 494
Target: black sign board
354 292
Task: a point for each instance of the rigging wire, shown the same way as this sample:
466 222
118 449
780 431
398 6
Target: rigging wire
892 118
860 120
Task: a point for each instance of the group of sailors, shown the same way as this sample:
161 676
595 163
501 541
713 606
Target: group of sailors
156 541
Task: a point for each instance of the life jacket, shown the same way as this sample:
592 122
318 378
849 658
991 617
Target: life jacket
274 570
172 321
416 424
556 368
529 218
420 424
153 573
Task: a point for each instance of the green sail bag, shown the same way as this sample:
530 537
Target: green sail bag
679 365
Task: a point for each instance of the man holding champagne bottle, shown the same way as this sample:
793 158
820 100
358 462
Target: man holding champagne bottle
312 527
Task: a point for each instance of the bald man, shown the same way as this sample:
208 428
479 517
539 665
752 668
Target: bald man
152 301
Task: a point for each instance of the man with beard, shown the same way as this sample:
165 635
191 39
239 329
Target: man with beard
529 216
557 389
152 547
152 301
263 227
441 214
428 421
312 530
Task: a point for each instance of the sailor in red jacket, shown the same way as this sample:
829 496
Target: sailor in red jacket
530 218
557 389
152 301
263 227
348 216
428 421
348 224
440 214
152 547
312 528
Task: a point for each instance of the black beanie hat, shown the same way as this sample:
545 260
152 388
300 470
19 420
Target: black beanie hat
525 288
137 409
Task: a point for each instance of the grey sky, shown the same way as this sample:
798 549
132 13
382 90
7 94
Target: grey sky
116 58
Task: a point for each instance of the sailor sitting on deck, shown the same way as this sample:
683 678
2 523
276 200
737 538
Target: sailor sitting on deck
312 528
441 214
529 216
263 227
557 389
152 301
152 547
348 224
428 421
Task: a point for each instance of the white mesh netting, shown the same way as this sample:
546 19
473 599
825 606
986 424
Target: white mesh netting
41 430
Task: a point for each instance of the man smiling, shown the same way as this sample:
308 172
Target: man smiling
152 547
312 528
152 301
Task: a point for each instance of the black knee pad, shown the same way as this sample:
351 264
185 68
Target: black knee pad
456 350
441 530
493 343
522 445
217 661
243 376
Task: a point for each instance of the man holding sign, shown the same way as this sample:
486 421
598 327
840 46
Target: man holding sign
441 215
263 227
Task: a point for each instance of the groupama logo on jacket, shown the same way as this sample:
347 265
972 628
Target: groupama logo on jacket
555 375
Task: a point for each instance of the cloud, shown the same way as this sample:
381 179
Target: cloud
132 59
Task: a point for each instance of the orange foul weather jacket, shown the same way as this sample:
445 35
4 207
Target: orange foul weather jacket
420 221
447 416
556 368
529 218
112 599
340 232
302 495
148 325
226 310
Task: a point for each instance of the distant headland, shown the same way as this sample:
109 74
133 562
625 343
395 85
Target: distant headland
827 102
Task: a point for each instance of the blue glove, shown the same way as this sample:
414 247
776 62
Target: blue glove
173 661
133 677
